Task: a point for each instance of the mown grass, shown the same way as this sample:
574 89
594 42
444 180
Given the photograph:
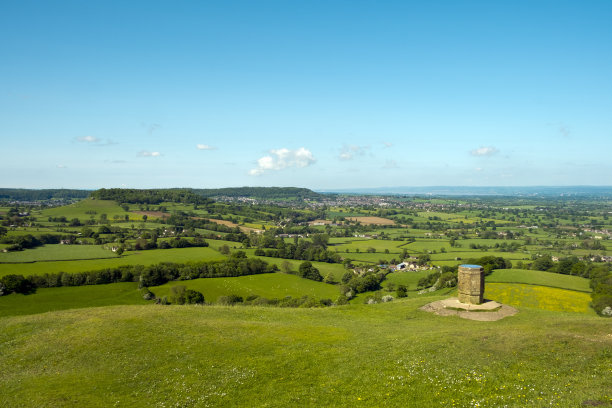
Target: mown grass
179 255
56 252
539 297
352 356
51 299
541 278
269 285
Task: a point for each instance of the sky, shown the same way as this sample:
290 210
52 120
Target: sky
316 94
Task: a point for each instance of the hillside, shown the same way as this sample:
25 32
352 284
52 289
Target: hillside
358 355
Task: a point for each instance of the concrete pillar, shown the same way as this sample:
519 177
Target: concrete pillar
471 284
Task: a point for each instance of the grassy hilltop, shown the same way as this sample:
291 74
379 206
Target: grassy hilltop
357 355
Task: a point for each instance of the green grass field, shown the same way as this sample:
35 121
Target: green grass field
58 252
129 258
526 276
269 285
51 299
408 279
385 355
85 209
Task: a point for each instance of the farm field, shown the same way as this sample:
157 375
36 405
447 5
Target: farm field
71 297
254 356
148 257
269 285
539 278
56 252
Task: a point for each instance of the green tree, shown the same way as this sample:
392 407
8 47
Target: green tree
193 297
308 271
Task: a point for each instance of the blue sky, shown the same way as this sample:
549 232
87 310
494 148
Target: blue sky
317 94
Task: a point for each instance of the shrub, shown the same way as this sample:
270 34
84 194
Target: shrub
193 297
17 284
147 294
178 294
401 291
387 298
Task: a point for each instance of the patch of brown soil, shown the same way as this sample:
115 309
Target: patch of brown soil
230 224
372 220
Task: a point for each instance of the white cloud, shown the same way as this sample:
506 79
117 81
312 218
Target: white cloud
348 152
61 166
280 159
387 144
205 147
145 153
88 139
484 151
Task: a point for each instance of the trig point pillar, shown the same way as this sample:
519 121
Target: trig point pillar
471 284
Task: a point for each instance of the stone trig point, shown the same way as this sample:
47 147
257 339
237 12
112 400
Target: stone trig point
470 302
471 284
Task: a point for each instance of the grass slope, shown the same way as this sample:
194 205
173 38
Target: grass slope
541 278
51 299
269 285
351 356
150 257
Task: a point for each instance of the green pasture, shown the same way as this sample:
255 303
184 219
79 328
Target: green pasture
150 257
409 279
477 253
425 245
540 278
57 252
72 297
369 257
336 270
388 354
379 245
269 285
84 210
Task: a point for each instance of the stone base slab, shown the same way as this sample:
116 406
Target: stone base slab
489 310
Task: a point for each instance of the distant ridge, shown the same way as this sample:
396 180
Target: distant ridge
520 191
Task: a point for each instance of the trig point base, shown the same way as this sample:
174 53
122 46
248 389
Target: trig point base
471 284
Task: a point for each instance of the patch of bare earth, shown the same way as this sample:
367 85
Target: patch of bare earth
372 220
230 224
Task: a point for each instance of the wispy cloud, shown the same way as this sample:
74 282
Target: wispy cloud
61 166
387 144
484 151
95 141
88 139
280 159
205 147
565 131
348 152
151 127
390 164
145 153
